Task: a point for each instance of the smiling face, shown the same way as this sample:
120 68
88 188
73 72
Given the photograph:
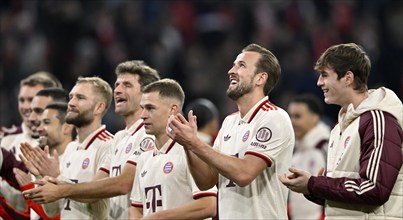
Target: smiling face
25 96
82 104
38 105
127 94
335 90
241 75
51 128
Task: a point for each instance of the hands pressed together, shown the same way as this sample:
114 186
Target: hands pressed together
47 190
40 164
38 161
297 181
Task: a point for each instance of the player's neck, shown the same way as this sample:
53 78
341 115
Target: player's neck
355 99
247 101
62 146
84 131
160 140
132 118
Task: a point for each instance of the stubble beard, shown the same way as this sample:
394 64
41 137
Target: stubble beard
239 91
79 121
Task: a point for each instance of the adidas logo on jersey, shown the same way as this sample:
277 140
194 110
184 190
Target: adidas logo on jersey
227 137
143 173
68 164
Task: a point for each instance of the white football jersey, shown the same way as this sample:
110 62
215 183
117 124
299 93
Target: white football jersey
79 164
126 144
163 180
265 132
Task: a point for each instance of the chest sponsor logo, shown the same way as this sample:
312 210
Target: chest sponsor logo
86 162
147 144
168 167
347 141
245 136
227 137
128 148
263 134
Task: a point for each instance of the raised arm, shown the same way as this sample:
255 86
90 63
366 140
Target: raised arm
205 162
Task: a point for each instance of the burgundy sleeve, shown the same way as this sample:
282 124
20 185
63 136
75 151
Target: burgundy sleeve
380 162
10 162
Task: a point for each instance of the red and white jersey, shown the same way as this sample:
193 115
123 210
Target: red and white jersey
13 142
126 144
79 164
163 180
265 132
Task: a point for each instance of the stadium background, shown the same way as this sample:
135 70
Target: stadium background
192 41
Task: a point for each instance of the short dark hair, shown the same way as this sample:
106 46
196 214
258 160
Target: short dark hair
204 109
146 74
167 88
347 57
61 108
267 63
57 94
313 103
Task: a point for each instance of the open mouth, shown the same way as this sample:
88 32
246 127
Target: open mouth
119 100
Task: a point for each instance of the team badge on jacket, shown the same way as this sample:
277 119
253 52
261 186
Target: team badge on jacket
245 136
347 141
168 167
85 164
128 148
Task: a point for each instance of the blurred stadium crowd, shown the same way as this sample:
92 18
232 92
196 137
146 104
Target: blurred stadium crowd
192 41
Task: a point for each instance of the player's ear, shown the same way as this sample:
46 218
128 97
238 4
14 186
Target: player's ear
262 78
174 109
349 77
100 108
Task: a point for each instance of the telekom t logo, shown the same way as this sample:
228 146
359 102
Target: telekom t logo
154 202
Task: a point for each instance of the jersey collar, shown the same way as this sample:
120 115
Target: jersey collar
263 104
165 149
135 127
100 132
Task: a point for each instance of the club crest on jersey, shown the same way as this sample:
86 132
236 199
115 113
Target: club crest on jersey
147 144
86 162
246 136
128 148
347 141
263 134
168 167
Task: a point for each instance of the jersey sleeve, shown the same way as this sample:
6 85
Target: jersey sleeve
136 196
380 162
104 156
271 136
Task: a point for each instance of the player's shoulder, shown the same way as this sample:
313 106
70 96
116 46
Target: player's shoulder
104 136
